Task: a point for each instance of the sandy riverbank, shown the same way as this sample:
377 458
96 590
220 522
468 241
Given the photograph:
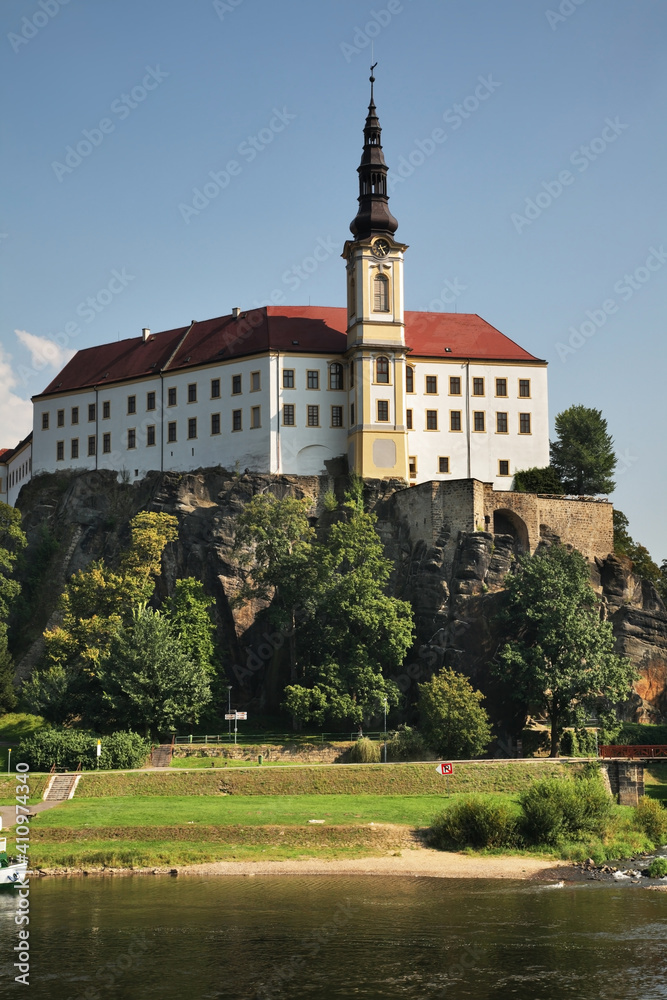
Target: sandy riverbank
416 863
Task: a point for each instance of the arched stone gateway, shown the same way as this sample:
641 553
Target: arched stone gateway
506 522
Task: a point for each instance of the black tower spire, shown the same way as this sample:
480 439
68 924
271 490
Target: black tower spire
373 215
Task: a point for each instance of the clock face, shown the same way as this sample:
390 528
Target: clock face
381 248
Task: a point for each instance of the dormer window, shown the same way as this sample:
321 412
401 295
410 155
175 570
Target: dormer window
381 293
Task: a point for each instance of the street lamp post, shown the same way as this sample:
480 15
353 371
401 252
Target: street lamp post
385 730
9 760
229 709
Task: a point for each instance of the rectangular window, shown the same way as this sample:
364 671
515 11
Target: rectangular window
171 431
313 416
443 465
524 423
75 414
336 416
45 421
524 388
478 420
254 382
171 396
288 378
409 379
501 387
351 414
313 379
431 384
131 404
336 376
91 411
501 423
131 438
455 420
383 409
237 420
255 417
192 427
412 466
60 451
454 385
60 418
478 387
503 467
215 388
75 448
91 445
106 443
288 414
431 420
106 410
192 392
150 400
215 423
150 435
236 385
408 419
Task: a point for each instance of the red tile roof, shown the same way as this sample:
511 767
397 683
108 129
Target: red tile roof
296 329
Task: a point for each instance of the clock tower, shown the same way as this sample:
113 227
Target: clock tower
377 436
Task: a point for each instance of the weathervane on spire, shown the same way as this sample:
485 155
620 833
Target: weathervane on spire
372 79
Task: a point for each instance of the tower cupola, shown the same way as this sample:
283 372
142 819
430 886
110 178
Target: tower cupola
373 216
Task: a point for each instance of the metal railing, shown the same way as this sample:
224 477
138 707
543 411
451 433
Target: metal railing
276 738
623 750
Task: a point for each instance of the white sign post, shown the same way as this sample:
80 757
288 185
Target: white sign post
445 769
98 751
236 716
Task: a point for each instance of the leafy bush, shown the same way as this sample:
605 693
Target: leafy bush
658 868
651 817
638 734
66 748
554 809
364 751
455 723
578 743
406 743
536 480
474 822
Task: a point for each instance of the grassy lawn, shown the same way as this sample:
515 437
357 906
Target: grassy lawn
13 726
210 763
655 781
252 810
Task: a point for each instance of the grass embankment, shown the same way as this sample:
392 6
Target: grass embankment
13 727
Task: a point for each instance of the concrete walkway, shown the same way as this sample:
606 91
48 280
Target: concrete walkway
8 813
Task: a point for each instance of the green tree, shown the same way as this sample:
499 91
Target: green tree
148 680
453 719
642 563
356 632
188 611
275 540
96 604
560 658
12 540
583 454
537 480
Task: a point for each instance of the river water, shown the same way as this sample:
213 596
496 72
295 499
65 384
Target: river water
362 938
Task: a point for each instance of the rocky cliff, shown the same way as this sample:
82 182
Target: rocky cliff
71 519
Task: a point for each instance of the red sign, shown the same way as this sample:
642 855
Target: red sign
445 768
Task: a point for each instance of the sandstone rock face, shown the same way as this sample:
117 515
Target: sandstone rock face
454 579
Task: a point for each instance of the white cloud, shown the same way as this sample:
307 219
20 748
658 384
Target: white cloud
15 413
44 352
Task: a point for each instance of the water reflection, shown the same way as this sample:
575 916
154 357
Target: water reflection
339 937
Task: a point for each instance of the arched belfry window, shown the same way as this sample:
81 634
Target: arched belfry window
382 370
381 293
336 376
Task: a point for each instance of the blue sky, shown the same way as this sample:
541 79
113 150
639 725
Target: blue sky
542 202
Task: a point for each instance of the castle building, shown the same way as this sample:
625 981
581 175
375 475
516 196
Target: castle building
300 390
